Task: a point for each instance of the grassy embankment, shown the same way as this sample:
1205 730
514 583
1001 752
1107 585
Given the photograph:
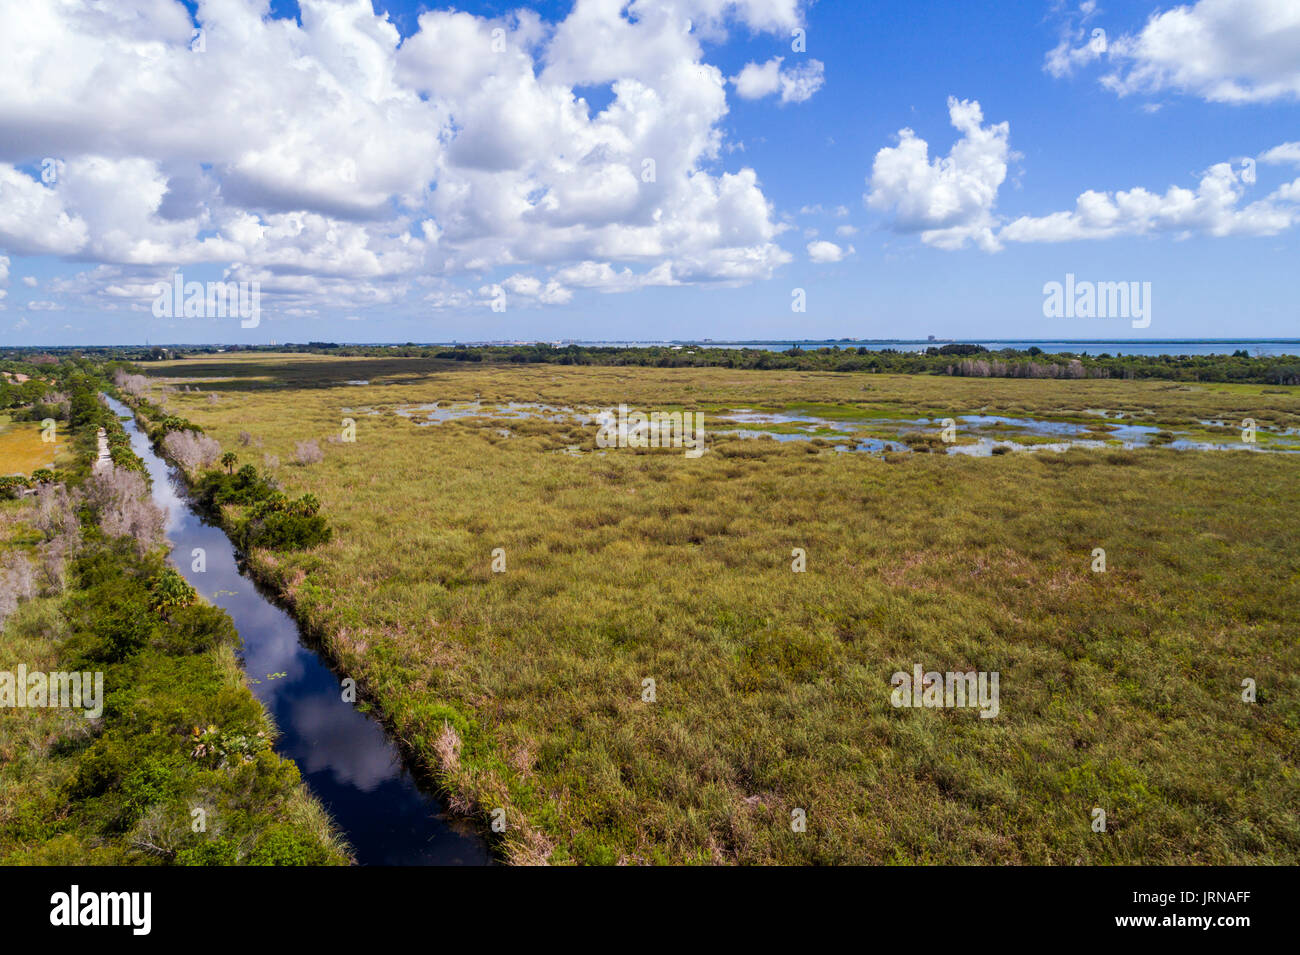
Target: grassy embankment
1119 690
180 730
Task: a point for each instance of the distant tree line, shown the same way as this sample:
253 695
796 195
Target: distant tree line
954 359
962 360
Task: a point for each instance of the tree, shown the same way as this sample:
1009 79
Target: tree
85 408
228 461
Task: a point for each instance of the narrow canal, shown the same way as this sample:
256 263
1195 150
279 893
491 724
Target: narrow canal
353 768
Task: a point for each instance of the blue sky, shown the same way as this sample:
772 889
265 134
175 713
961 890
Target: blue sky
388 176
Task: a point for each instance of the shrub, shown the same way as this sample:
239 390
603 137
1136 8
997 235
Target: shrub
172 423
219 851
54 560
150 781
137 386
307 452
191 450
17 583
12 484
56 518
279 523
219 749
169 591
282 530
197 628
114 622
126 459
54 404
121 500
54 511
283 845
245 486
279 503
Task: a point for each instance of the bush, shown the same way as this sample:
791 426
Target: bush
307 452
284 530
245 486
285 846
125 458
119 791
197 629
219 851
169 591
124 508
137 386
112 622
150 781
172 423
12 484
17 583
191 450
55 514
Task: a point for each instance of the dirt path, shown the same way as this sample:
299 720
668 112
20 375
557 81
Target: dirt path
104 460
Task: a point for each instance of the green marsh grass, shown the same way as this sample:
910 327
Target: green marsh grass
1119 690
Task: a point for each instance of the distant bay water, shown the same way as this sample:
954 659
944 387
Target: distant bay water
1181 346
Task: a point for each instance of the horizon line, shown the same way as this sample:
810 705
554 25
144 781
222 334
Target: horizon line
630 342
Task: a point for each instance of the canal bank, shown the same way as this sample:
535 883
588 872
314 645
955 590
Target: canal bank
388 816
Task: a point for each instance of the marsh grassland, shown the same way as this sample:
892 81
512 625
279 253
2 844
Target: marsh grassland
523 690
21 449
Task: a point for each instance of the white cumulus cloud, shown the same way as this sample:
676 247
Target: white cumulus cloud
1284 154
344 166
949 200
1223 51
796 85
1214 208
823 251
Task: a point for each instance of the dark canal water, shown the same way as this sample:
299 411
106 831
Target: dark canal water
344 756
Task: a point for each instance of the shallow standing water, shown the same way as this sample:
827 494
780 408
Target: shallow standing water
344 756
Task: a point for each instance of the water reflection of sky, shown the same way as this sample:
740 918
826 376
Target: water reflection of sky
344 756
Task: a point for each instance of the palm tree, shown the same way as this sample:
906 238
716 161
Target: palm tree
228 460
